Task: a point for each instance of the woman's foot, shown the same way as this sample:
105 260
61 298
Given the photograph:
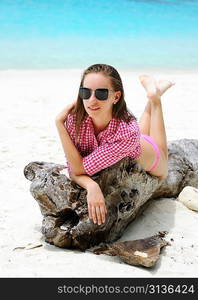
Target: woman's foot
150 85
164 85
154 89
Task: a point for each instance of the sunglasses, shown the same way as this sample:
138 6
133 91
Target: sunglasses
100 94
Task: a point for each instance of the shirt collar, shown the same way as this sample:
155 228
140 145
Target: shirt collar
110 127
88 119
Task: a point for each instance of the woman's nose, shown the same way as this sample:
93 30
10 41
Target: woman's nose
92 97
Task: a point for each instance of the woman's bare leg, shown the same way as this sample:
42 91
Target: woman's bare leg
145 120
154 107
152 124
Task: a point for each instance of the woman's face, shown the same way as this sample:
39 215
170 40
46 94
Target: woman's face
103 108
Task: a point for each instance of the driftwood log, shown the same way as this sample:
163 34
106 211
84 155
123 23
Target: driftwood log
143 252
127 189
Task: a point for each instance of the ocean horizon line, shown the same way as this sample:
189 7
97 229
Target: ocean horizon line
77 69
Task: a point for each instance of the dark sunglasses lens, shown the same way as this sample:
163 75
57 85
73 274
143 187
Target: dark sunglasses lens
84 93
101 94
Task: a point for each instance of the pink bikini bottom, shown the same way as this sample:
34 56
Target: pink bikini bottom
150 140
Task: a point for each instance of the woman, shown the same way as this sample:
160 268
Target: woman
97 130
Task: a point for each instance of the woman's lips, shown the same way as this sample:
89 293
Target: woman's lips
92 108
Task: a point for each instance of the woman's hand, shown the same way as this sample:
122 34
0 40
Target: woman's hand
96 204
62 116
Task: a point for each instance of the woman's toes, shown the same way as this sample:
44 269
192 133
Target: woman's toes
164 85
150 86
143 77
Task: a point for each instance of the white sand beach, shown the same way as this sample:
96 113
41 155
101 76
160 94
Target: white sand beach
30 100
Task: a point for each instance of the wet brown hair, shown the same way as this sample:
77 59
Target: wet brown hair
119 111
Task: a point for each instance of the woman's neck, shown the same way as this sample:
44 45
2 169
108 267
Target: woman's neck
100 125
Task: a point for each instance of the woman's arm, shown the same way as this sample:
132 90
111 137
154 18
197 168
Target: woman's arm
72 154
95 198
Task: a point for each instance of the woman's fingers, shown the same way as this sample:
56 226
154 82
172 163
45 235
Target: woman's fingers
62 116
90 212
96 206
72 105
93 212
100 215
103 210
97 213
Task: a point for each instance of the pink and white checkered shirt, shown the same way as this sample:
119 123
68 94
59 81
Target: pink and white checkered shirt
118 140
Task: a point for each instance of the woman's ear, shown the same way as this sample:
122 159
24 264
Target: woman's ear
117 96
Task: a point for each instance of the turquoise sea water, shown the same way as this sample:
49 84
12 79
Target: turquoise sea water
76 33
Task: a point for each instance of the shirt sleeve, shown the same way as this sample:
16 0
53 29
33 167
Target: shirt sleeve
110 153
70 125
